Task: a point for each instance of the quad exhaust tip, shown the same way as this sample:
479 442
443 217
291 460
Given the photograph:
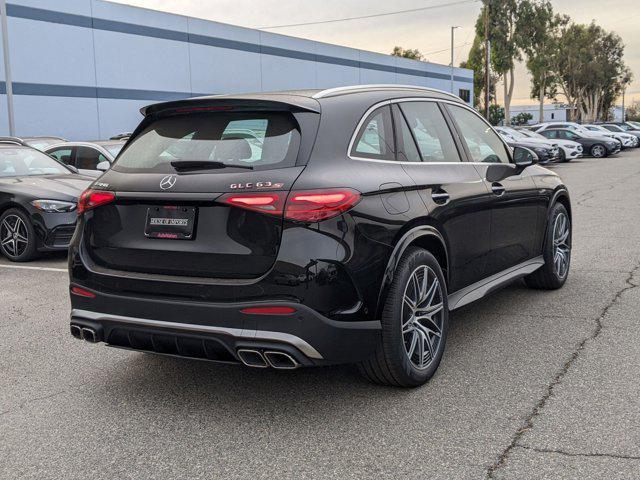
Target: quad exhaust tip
252 358
274 359
281 360
84 333
89 334
76 331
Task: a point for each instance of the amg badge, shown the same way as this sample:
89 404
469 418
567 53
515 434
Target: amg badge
259 185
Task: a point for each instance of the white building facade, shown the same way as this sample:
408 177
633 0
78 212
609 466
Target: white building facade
551 113
81 69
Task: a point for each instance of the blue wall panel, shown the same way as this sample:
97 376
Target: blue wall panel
117 116
44 52
133 61
82 68
72 118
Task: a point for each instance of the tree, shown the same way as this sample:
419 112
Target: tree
506 41
496 114
475 62
540 30
522 118
412 54
590 68
633 112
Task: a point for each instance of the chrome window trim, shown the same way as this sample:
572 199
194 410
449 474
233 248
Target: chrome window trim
419 99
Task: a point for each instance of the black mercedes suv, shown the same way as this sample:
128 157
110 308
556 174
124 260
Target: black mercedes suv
311 228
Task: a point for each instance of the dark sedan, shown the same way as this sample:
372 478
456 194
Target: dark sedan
38 198
545 153
597 147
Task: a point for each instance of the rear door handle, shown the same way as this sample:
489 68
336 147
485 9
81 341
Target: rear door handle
497 188
440 196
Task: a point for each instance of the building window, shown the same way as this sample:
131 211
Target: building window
464 94
553 116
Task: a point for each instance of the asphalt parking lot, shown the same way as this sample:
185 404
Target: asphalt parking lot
532 385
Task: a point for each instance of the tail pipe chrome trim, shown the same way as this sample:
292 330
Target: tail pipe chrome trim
252 358
76 331
90 335
281 360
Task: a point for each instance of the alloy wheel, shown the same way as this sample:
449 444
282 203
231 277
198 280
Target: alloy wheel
598 151
422 317
14 237
561 245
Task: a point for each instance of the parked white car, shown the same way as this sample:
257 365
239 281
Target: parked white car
90 158
568 148
628 127
576 127
627 140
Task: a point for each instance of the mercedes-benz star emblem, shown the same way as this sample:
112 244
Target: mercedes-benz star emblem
167 182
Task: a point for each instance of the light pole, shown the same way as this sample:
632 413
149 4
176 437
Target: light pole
7 66
452 30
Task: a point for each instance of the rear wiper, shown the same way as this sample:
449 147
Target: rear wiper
204 165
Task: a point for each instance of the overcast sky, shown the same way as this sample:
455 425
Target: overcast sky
428 31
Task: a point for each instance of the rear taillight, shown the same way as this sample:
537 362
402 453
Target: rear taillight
260 202
317 205
301 206
94 198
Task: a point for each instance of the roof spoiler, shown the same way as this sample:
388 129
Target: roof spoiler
292 103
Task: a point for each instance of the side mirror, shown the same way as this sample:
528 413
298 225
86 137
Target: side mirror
523 157
72 168
103 166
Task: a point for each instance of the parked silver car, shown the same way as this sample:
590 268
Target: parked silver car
90 158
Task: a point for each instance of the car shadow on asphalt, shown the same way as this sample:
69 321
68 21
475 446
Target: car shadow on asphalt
176 381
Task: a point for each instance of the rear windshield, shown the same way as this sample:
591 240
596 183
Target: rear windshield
263 140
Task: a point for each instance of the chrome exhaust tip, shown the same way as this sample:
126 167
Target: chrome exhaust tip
89 335
252 358
281 360
76 331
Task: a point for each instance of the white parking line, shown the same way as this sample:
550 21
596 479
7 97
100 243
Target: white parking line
26 267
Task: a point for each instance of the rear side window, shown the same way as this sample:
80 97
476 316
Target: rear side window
63 155
430 131
261 140
88 158
375 138
549 133
483 143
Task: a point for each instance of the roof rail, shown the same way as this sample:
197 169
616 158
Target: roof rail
390 86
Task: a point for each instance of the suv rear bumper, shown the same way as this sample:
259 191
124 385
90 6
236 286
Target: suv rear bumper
217 331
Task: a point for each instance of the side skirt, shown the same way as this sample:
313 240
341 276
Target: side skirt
480 289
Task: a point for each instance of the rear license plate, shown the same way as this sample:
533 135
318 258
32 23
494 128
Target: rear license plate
170 222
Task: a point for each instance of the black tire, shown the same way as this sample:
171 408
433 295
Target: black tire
391 364
598 151
25 251
547 277
563 156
